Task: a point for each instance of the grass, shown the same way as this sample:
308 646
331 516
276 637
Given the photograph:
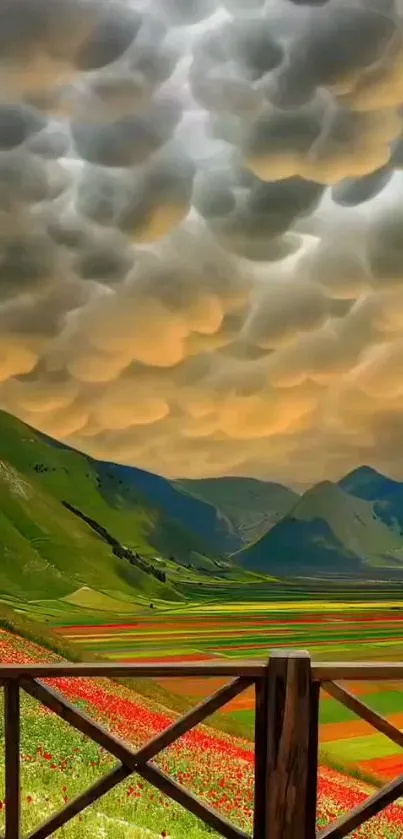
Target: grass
356 749
50 553
385 702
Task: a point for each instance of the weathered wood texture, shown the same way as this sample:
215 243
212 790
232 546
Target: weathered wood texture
12 759
292 751
261 741
313 746
321 672
107 670
331 671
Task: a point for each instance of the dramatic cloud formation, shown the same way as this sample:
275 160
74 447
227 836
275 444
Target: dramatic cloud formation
201 232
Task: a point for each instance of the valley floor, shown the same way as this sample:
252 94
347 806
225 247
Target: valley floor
332 631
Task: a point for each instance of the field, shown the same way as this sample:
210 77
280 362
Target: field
58 762
330 631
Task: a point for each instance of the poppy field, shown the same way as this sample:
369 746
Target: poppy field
58 762
336 632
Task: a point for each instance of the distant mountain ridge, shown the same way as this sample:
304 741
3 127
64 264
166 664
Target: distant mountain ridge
384 492
252 507
329 532
198 515
56 503
226 513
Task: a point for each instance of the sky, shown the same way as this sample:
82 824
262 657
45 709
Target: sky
201 232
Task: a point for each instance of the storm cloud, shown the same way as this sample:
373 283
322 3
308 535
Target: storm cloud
201 227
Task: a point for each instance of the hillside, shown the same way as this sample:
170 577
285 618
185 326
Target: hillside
198 514
48 553
252 507
176 521
385 493
101 536
327 533
69 523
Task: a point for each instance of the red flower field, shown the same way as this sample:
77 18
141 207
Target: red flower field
215 766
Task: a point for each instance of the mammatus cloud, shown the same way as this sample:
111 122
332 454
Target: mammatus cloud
201 228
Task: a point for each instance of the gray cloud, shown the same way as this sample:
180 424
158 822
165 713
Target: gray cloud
17 123
182 13
52 143
27 261
250 217
386 246
239 7
24 179
334 47
200 231
114 30
104 261
130 140
354 191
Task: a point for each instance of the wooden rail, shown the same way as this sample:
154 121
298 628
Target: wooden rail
287 690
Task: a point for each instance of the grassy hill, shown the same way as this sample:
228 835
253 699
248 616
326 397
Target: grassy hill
198 514
48 550
97 536
385 493
108 492
328 532
250 506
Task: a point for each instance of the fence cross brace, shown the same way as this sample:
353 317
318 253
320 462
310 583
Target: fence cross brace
130 760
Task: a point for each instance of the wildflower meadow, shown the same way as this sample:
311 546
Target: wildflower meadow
58 763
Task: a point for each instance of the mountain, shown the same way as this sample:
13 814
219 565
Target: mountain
198 514
67 521
46 552
328 532
80 530
385 493
251 507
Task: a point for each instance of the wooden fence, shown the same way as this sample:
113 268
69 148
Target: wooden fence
287 690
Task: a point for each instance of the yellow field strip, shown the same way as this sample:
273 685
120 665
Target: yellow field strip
297 606
105 636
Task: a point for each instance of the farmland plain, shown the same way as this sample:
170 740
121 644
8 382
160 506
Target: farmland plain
367 627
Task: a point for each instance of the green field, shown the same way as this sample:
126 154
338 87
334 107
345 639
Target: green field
330 630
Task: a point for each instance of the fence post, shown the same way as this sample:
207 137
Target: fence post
12 757
261 740
292 746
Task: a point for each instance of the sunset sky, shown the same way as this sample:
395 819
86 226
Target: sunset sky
201 232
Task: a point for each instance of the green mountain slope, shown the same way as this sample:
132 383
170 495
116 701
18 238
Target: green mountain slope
46 552
251 507
110 494
385 493
328 532
68 522
199 516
